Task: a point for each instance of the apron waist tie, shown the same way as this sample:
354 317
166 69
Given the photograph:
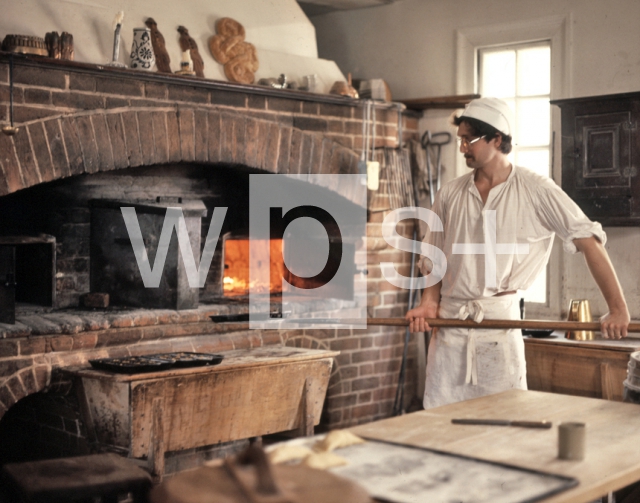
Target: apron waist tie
475 310
472 359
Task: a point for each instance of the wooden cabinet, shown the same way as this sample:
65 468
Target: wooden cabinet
593 369
601 156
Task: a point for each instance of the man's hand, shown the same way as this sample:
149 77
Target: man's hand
416 317
614 325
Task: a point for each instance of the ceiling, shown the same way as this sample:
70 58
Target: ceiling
318 7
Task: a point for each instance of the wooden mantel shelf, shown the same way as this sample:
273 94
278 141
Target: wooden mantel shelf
31 60
440 102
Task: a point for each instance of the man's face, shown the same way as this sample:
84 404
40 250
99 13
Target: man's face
476 153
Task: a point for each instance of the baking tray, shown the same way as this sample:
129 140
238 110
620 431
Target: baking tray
392 472
231 318
131 364
157 362
184 359
538 333
398 473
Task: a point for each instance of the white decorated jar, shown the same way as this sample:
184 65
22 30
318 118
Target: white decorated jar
142 56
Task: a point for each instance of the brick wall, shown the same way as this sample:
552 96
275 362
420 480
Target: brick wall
77 119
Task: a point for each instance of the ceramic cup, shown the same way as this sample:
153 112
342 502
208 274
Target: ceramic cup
571 440
309 82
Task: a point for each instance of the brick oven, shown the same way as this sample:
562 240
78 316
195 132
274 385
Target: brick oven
91 133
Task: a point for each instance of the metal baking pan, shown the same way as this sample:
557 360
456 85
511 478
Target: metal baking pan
132 364
537 332
231 318
184 359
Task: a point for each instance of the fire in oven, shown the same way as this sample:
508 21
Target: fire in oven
292 266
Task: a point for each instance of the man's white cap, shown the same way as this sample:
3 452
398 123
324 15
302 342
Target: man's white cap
493 111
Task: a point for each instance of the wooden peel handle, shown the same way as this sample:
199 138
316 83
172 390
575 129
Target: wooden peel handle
503 324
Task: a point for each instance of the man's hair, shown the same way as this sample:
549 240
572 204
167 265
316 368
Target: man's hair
479 128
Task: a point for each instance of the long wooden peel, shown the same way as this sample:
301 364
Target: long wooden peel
503 324
440 322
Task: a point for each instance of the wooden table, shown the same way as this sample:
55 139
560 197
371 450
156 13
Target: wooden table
612 458
252 392
594 368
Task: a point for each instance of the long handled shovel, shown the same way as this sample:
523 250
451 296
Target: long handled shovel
501 324
633 327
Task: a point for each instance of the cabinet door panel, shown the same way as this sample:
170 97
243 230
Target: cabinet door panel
604 147
600 156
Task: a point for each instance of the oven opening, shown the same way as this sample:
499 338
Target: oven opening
303 257
236 281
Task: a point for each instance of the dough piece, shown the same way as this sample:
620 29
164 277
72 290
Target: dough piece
324 460
284 453
336 439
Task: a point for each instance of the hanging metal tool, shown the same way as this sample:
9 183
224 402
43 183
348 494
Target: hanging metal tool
426 138
434 142
373 166
428 141
362 163
398 404
11 129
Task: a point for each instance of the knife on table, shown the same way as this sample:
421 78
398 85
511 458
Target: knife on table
504 422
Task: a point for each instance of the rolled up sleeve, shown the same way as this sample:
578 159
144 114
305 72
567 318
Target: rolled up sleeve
560 214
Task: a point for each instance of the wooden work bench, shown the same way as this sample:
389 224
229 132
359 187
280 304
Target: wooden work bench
251 393
612 458
594 368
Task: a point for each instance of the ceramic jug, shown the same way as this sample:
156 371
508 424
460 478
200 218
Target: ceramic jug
580 310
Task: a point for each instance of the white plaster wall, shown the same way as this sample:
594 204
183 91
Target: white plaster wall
284 38
412 45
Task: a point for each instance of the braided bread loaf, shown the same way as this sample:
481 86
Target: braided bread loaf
229 49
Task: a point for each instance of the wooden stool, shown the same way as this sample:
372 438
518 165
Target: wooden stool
76 479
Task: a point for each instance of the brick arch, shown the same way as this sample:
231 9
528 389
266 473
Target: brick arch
28 378
64 146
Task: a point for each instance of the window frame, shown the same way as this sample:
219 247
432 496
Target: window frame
557 29
517 98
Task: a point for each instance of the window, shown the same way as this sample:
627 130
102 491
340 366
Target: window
521 76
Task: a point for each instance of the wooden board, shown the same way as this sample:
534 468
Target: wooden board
233 360
224 406
612 437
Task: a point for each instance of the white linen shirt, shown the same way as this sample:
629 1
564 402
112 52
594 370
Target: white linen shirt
528 209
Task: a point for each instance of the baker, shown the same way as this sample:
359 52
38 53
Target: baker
499 222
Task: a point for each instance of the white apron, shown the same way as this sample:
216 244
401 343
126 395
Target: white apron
468 363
